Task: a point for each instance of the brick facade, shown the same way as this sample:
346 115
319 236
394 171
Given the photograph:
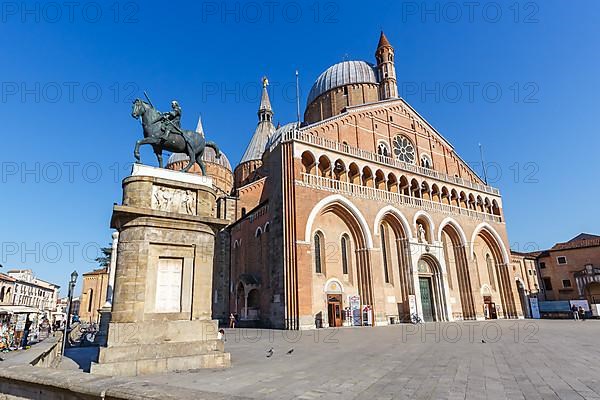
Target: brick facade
334 210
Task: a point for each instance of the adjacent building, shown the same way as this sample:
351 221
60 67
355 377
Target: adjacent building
571 270
526 277
33 292
93 295
7 289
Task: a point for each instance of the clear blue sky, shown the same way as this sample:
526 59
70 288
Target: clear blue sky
66 146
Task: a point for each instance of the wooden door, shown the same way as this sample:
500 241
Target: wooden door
334 309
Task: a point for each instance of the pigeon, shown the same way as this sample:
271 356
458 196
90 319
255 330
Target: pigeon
270 352
290 351
482 341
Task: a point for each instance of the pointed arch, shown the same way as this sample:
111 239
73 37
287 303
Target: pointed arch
346 204
457 263
500 264
456 226
398 215
484 226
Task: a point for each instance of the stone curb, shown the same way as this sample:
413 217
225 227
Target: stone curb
47 384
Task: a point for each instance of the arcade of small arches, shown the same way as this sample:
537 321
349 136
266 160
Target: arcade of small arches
5 294
431 282
402 184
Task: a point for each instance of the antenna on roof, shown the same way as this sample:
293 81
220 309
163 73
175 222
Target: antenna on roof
298 97
483 163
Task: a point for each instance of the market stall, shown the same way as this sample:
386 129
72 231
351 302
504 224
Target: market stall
12 326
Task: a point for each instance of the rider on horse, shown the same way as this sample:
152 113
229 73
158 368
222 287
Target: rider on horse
171 121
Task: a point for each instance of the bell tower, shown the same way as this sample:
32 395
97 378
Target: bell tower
388 87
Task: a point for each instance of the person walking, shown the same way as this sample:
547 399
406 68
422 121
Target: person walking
575 312
231 320
26 332
581 313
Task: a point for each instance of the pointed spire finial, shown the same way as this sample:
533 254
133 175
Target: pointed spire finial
383 41
199 127
265 113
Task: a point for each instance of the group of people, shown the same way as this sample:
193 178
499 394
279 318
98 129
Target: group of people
578 313
15 335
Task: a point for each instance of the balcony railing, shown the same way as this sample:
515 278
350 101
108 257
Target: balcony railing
332 185
390 161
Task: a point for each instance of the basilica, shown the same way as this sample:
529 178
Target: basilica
361 214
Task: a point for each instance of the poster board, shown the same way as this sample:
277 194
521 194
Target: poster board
354 305
535 307
580 303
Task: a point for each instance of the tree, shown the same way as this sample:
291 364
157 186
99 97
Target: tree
104 259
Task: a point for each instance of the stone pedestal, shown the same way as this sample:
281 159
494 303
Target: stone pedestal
161 310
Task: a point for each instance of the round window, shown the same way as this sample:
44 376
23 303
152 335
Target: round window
404 149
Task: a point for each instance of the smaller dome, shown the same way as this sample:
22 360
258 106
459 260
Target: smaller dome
275 138
210 156
342 74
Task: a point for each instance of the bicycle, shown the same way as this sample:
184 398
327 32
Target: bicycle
415 319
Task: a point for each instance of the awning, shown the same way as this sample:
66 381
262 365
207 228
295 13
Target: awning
19 310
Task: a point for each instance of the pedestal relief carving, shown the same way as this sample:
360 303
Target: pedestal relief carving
173 200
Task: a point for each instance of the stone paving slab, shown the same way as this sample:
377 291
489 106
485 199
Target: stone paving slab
526 359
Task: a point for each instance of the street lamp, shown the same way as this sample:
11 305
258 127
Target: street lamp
72 283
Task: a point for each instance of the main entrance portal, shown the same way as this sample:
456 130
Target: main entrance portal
427 299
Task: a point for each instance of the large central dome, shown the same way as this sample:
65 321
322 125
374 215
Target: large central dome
341 74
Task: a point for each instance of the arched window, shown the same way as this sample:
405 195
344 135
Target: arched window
490 268
318 253
258 232
384 253
267 227
344 255
2 293
383 149
90 300
426 161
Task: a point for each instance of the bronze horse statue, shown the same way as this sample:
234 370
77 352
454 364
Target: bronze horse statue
189 142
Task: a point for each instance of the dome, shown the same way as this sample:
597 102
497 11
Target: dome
209 157
341 74
275 139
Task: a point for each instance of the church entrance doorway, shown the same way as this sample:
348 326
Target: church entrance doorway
334 310
427 299
489 308
431 290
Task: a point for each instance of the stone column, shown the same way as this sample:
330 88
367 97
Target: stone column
105 311
111 270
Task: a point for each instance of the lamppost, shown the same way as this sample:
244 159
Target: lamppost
69 307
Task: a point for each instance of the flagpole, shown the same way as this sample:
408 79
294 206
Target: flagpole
298 98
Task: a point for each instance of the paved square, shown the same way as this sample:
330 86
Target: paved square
526 359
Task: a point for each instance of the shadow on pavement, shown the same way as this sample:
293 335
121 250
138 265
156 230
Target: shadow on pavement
80 358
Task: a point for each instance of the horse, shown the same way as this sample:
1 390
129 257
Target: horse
191 143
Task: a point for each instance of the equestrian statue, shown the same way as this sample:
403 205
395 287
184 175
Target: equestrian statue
163 132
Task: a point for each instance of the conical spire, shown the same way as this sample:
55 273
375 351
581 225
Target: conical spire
264 129
199 127
265 113
383 41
